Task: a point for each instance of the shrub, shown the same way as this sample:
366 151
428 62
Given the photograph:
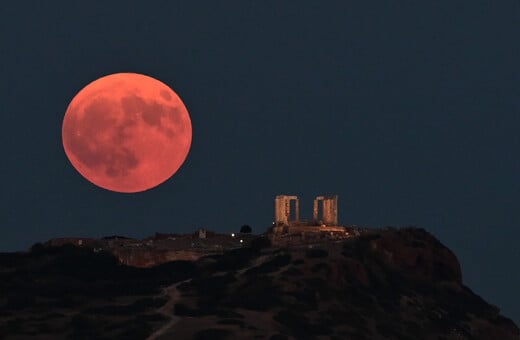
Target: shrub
37 248
245 229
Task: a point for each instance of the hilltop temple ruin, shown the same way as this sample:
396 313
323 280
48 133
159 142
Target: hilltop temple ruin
289 229
287 210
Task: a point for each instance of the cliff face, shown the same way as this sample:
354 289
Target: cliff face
385 284
417 253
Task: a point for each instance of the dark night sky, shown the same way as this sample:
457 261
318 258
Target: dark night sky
408 110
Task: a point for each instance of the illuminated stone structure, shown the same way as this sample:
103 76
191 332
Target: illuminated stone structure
287 210
329 210
282 208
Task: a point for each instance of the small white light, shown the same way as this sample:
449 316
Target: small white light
241 241
233 235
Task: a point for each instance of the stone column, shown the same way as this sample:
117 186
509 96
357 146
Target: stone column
335 210
326 211
287 210
279 206
297 210
315 210
330 210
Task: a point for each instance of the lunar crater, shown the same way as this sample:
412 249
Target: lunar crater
166 96
120 163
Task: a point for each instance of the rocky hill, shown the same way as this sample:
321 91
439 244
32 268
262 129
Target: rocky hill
383 284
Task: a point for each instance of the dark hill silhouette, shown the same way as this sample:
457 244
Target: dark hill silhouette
384 284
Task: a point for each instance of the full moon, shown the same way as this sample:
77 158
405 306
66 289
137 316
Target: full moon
126 132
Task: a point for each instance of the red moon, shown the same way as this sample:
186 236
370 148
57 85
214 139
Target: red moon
126 132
